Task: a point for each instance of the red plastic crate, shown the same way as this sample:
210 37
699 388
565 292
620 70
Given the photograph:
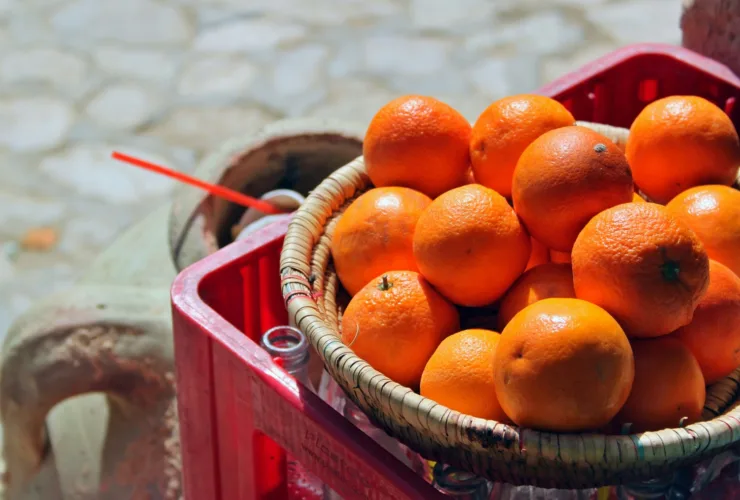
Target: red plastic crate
235 403
616 87
231 395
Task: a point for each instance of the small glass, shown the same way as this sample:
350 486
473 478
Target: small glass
291 346
459 484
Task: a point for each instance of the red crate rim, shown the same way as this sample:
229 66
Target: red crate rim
619 56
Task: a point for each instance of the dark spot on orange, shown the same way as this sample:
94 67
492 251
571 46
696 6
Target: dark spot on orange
600 148
600 372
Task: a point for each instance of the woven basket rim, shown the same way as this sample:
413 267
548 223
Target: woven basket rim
720 429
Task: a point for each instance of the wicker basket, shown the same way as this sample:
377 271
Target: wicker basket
494 450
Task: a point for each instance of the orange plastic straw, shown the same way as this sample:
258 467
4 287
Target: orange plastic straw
214 189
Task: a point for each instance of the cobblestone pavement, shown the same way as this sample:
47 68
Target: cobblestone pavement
170 79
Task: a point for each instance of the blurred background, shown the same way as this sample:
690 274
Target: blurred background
171 79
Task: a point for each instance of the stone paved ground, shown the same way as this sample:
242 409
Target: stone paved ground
171 79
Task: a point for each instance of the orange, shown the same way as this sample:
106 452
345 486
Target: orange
563 365
668 386
644 266
637 198
375 235
418 142
470 245
396 322
504 130
565 177
459 375
714 332
560 257
542 282
680 142
713 212
539 254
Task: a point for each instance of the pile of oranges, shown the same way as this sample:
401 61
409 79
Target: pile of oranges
611 273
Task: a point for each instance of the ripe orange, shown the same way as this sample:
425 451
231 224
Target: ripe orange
504 130
459 375
539 254
418 142
563 365
542 282
470 245
680 142
396 322
565 177
560 257
713 212
668 386
644 266
375 235
714 332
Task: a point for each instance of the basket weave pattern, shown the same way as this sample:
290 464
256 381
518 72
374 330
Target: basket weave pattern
497 451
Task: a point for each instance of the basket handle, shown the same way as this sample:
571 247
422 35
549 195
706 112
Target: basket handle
110 339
